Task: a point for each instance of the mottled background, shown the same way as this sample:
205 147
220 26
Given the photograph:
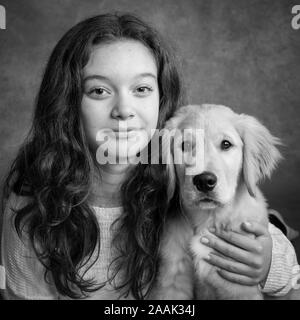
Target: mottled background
241 53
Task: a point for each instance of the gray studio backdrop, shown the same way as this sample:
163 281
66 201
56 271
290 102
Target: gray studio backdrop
243 53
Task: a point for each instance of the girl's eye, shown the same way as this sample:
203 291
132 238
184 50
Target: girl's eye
225 145
143 90
98 93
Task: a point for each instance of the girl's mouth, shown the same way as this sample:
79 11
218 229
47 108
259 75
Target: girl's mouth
207 200
126 134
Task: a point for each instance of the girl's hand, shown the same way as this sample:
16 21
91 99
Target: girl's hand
240 258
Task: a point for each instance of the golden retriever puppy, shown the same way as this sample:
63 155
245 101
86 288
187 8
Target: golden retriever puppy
217 188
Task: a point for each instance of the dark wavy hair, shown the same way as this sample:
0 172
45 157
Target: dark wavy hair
54 168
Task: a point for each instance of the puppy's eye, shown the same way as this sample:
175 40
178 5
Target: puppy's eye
225 145
186 146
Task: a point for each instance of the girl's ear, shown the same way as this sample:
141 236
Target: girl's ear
260 155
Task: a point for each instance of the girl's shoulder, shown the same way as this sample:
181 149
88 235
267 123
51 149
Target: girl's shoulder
16 202
12 204
24 274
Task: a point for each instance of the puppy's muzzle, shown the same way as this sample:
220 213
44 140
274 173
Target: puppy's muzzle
205 181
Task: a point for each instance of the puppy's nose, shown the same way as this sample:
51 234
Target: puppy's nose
205 181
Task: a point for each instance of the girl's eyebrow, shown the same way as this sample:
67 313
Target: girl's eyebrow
95 76
145 75
100 77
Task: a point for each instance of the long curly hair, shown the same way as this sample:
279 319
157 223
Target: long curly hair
54 168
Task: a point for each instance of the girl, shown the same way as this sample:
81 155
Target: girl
74 228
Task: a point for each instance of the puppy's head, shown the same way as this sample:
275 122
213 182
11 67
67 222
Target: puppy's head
232 146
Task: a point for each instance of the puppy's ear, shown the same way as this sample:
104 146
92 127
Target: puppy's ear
167 146
260 155
168 159
169 132
161 152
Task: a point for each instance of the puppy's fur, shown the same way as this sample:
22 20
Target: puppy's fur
235 199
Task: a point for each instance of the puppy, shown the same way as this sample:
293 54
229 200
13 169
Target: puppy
216 188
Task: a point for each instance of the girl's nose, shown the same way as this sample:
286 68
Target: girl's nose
122 110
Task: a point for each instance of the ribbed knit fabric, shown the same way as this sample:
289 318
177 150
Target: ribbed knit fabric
283 265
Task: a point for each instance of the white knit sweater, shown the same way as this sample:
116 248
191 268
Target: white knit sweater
25 274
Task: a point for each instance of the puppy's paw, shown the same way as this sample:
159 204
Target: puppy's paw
199 252
197 249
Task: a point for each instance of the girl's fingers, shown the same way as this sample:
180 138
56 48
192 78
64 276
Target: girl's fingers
239 240
240 279
228 250
230 265
256 228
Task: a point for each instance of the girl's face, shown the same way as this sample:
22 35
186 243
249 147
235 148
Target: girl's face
121 97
